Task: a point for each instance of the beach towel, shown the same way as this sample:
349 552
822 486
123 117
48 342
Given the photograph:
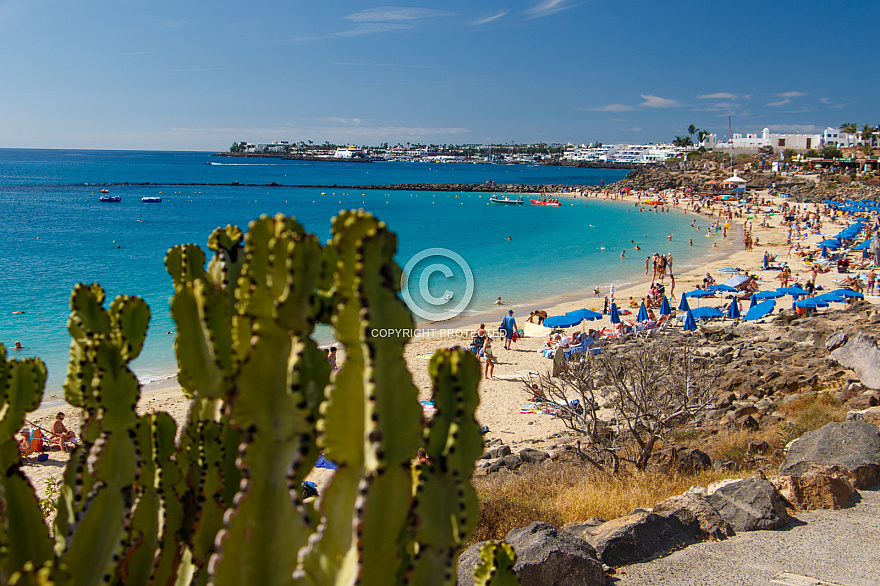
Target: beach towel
428 406
539 408
425 356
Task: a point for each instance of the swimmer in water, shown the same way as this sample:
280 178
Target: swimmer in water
18 346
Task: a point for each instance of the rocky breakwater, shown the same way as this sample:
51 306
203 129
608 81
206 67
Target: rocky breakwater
810 191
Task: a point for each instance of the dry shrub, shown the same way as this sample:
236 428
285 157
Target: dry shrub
808 413
568 492
733 445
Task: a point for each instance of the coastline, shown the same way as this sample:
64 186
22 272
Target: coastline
502 397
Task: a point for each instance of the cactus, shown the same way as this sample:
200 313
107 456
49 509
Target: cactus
221 505
498 559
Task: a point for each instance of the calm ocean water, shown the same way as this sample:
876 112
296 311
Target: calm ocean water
59 234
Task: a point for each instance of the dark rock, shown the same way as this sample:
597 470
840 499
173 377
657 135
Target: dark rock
748 423
853 446
691 507
722 465
533 456
863 401
498 452
545 556
861 354
693 460
638 537
750 504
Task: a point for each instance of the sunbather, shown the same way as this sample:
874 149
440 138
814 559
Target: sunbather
66 438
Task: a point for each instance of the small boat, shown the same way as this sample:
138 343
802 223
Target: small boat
540 202
506 200
111 198
151 199
104 191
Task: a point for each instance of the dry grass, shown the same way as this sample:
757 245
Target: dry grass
565 493
809 413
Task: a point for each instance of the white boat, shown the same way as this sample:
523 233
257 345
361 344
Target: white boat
151 199
506 200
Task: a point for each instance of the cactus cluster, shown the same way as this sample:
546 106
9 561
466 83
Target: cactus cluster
218 501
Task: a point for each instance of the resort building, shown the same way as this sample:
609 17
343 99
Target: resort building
348 153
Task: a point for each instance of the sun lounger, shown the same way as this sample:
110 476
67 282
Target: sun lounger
35 448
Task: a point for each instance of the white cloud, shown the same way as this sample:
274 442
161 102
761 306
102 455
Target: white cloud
488 19
548 7
718 96
780 102
791 94
825 100
345 120
614 108
658 102
389 13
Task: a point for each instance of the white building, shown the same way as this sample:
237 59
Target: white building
348 153
843 140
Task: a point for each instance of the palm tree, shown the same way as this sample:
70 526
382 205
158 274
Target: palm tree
702 134
867 134
849 127
692 130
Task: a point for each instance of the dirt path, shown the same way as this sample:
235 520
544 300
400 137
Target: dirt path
836 547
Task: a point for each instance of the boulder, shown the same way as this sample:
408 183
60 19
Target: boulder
853 446
533 456
835 340
692 459
498 452
860 353
637 537
865 400
750 504
692 507
545 556
871 415
823 487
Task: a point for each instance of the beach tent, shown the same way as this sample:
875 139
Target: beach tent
690 323
615 315
706 313
643 313
733 310
683 304
760 310
664 307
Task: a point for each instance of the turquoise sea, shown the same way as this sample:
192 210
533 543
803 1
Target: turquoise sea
58 234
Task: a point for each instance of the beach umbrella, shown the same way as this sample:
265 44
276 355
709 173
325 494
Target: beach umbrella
706 313
793 291
664 307
562 321
683 304
690 323
585 313
733 310
831 298
831 243
752 302
736 280
723 288
864 245
643 313
615 315
729 270
811 303
847 293
771 294
699 293
760 310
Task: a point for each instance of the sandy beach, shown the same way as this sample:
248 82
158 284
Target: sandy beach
501 399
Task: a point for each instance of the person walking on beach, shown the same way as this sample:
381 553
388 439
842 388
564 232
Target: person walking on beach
669 264
508 326
647 260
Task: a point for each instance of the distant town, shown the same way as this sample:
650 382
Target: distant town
828 144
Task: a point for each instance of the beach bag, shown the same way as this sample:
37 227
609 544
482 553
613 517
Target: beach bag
42 457
309 489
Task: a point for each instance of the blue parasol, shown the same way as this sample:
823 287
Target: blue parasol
724 288
643 313
760 310
706 313
811 303
733 310
752 301
700 293
664 307
771 294
562 321
683 304
615 315
848 293
793 291
831 243
585 313
689 324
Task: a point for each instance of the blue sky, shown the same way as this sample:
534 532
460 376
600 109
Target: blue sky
173 75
